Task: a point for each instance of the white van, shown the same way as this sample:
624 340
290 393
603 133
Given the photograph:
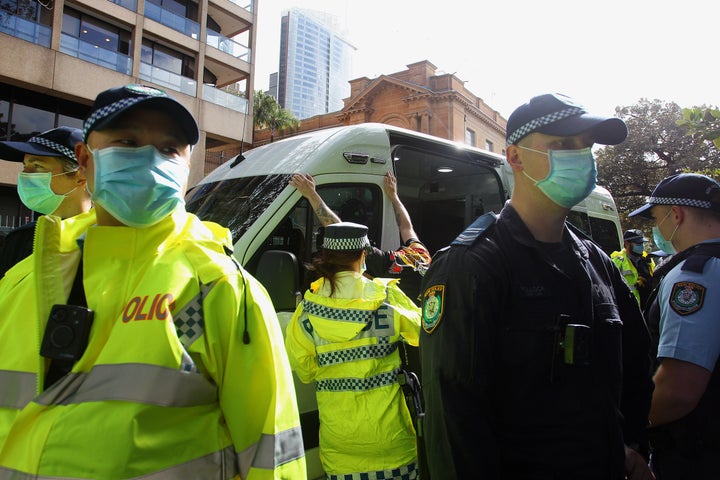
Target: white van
444 186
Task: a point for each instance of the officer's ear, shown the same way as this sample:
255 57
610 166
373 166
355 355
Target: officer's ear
512 154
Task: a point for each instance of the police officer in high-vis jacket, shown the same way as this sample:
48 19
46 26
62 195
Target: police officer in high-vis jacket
635 264
137 347
344 336
684 318
49 183
535 356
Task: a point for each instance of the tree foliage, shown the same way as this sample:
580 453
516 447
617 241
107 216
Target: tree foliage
658 144
702 123
267 113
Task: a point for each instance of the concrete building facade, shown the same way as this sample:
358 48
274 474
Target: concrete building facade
419 98
59 54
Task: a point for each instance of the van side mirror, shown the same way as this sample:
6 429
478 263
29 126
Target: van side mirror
278 271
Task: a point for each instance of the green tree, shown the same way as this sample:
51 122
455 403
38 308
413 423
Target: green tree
267 113
702 123
658 145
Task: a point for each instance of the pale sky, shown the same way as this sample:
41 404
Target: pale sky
603 54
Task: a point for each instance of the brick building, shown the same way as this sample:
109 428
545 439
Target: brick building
419 99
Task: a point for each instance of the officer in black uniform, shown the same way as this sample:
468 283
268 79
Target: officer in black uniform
535 355
683 316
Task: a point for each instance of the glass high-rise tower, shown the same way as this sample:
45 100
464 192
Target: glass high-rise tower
315 63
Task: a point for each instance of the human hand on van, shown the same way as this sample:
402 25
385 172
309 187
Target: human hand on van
304 183
390 185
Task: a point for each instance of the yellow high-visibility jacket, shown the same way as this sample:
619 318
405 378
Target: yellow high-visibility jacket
628 270
19 382
348 345
184 375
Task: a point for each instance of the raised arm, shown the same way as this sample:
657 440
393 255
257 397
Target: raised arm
305 184
402 217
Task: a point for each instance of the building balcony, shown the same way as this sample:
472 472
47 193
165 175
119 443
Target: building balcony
168 79
172 20
23 29
95 54
249 6
227 45
129 4
224 99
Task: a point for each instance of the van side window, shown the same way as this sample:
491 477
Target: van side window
444 192
602 231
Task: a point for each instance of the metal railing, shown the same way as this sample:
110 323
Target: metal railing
24 29
227 45
95 54
168 79
224 99
172 20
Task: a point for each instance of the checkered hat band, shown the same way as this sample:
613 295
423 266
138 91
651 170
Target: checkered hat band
54 146
382 349
357 384
406 472
536 123
346 243
688 202
108 110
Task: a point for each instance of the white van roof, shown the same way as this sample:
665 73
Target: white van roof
304 152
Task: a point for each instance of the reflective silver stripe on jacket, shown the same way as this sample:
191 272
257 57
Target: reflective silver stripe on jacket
217 465
132 382
272 451
18 388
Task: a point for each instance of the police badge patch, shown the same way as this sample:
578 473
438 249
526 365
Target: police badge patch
687 297
432 307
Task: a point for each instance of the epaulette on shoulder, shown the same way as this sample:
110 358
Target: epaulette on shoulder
475 230
700 255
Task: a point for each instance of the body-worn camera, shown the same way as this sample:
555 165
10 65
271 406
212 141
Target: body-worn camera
67 332
572 344
576 345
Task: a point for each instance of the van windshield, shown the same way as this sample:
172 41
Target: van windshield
236 203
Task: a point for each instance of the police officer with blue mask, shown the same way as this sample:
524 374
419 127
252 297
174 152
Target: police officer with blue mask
682 314
535 356
635 264
48 184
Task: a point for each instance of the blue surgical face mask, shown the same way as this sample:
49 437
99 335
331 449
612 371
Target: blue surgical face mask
37 195
571 178
638 248
664 245
138 186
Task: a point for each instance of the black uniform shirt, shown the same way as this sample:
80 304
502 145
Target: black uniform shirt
501 402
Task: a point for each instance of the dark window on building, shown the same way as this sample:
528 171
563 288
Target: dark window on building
179 7
95 32
163 57
30 113
31 10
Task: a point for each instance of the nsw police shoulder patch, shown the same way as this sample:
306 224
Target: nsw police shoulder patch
687 297
432 307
